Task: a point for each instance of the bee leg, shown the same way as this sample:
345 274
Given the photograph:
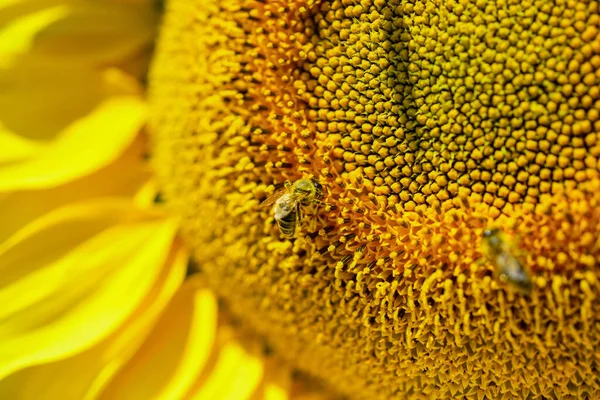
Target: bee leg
322 203
298 214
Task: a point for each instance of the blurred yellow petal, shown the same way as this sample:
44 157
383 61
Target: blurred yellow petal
121 178
235 376
39 101
86 145
97 33
90 32
8 3
16 148
276 381
147 195
169 362
12 10
83 375
72 277
274 391
17 36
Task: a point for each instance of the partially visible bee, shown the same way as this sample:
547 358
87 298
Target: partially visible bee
500 252
287 211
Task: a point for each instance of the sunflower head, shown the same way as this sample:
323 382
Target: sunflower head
426 125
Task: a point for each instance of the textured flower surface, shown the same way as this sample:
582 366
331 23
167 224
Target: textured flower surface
426 123
96 299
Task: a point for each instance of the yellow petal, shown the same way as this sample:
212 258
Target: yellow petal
39 101
8 3
147 195
16 148
87 145
235 376
274 391
85 31
120 178
17 36
172 357
13 10
97 33
84 375
72 277
276 381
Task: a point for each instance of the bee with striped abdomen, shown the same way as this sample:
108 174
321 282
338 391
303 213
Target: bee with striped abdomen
288 201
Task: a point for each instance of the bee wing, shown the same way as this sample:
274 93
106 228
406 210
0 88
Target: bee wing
269 201
295 199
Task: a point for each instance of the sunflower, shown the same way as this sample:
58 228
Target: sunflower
439 134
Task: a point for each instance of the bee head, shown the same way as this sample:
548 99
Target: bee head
304 186
492 237
488 233
308 187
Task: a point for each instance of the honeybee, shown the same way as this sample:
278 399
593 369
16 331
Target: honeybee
500 252
287 211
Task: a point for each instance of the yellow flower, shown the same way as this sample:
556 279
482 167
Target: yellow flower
95 299
427 123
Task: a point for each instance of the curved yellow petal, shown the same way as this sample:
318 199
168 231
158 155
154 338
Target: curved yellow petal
276 383
75 31
39 101
72 277
97 33
85 374
8 3
274 391
173 356
17 36
122 177
147 195
13 10
16 148
86 145
236 375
